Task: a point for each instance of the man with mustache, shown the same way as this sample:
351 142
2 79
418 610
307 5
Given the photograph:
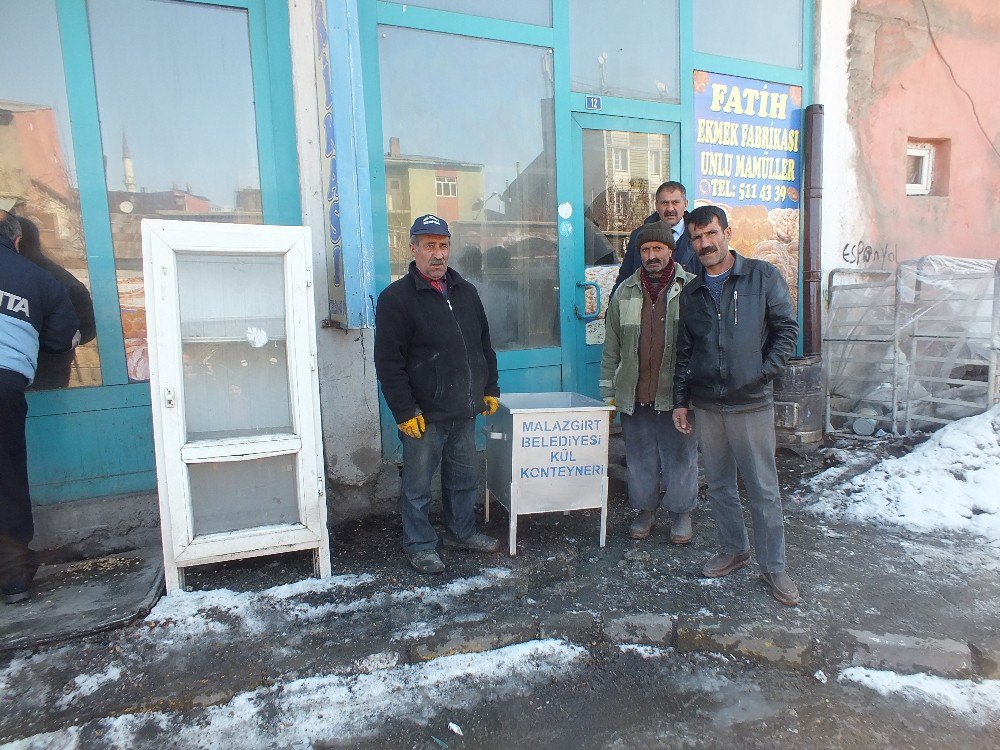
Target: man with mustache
637 370
737 330
671 208
437 369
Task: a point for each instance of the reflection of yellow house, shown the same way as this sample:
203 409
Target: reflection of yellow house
418 185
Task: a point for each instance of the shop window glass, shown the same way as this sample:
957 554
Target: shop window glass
37 169
175 97
538 12
628 49
490 123
616 201
768 31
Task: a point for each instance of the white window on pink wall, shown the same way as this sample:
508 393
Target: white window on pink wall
919 168
446 187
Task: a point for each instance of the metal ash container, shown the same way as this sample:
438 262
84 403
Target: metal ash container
548 452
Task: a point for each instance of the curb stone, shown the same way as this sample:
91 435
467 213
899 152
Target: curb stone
906 653
767 643
573 626
986 657
472 638
640 628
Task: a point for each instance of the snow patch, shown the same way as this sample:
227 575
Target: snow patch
979 701
86 684
948 483
332 708
646 652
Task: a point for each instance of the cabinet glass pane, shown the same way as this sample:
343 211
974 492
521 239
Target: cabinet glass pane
232 314
38 171
175 98
538 12
767 31
480 154
628 49
236 495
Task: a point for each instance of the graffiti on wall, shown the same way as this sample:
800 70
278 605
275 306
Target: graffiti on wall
865 255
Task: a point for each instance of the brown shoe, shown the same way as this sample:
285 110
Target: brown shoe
783 588
723 564
680 530
643 524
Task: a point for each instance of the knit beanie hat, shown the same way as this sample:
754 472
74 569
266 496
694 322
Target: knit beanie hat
657 231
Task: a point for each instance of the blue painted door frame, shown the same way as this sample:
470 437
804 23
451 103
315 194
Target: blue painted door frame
91 442
573 365
589 355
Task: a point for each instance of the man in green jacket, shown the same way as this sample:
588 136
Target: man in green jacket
637 373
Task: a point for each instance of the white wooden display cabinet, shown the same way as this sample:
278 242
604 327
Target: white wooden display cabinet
235 393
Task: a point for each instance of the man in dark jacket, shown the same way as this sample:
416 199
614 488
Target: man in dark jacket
437 369
737 330
35 315
671 208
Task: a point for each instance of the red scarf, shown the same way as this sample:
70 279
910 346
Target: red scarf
655 285
440 284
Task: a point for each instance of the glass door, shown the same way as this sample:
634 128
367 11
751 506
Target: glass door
622 161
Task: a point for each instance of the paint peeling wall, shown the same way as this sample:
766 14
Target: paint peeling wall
889 71
348 392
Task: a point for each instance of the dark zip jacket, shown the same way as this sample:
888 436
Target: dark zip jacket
433 353
726 359
35 314
683 253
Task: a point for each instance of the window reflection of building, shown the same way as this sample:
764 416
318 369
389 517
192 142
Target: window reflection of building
34 171
488 168
621 172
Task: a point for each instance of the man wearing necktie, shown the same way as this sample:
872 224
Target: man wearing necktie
671 208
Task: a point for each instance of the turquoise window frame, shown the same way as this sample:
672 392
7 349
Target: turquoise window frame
117 407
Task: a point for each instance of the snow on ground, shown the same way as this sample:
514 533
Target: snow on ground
85 684
190 612
948 483
979 701
187 614
646 652
330 708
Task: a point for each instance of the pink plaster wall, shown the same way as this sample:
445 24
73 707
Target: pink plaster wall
901 88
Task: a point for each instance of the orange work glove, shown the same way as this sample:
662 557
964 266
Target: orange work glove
414 427
492 404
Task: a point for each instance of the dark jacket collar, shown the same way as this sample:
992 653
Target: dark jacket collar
418 281
7 244
739 269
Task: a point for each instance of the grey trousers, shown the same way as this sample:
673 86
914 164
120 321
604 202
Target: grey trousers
743 442
655 451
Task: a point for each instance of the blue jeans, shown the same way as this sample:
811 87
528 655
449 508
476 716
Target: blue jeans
452 445
743 442
655 451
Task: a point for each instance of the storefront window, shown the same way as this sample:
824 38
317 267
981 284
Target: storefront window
616 198
627 49
175 97
769 31
37 169
538 12
487 132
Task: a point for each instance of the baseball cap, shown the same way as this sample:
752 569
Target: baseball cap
6 204
430 224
